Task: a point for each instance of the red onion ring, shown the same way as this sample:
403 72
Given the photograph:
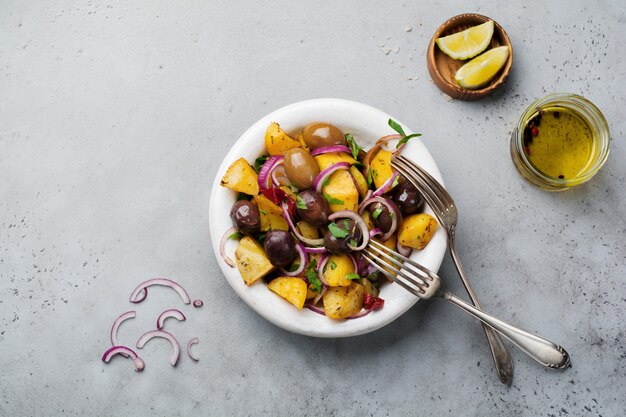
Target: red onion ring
320 269
329 149
172 312
375 231
198 303
266 171
126 352
358 220
279 176
359 315
315 250
303 261
227 234
386 185
394 220
160 281
320 295
315 309
318 182
383 142
354 263
142 295
292 226
146 337
192 342
116 325
403 250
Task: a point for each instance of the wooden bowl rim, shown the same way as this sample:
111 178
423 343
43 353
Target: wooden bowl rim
455 90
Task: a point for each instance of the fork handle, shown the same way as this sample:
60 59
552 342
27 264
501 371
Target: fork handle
542 350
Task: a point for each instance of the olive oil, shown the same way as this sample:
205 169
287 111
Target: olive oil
558 142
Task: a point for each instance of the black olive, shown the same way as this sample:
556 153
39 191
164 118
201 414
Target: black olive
280 248
246 217
339 245
317 209
408 199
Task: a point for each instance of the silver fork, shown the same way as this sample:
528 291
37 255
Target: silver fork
444 208
425 284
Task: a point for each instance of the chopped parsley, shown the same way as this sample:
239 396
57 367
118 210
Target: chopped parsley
326 181
263 211
236 235
396 126
300 203
354 147
377 212
332 200
352 243
311 275
258 163
353 276
332 264
338 232
395 181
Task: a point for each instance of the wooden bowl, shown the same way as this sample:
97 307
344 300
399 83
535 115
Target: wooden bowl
442 68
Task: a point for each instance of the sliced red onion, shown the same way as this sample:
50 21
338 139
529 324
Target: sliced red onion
142 295
354 263
126 352
329 149
375 231
266 171
395 219
403 250
386 185
320 295
315 309
294 229
303 261
383 142
198 303
192 342
160 281
116 325
320 269
315 250
361 265
279 176
225 238
359 315
146 337
172 312
318 182
358 220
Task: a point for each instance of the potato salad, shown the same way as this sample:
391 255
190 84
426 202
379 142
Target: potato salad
310 204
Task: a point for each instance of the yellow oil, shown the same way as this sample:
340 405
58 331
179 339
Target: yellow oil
558 142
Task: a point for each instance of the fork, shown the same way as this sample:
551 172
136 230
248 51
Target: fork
425 284
445 210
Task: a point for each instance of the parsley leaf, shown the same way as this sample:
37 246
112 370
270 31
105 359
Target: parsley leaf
263 211
332 200
377 212
300 203
258 163
337 231
396 126
369 176
311 274
236 235
354 147
353 276
326 181
395 181
332 265
406 139
353 243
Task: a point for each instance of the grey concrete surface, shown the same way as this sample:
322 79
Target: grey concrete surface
113 119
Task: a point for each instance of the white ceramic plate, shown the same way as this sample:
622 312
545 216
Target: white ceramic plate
367 124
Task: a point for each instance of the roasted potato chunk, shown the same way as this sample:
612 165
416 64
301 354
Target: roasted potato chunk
416 230
336 269
271 215
252 262
277 142
241 177
292 289
380 168
343 302
340 192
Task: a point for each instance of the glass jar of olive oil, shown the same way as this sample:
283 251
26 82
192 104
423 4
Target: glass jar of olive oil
561 141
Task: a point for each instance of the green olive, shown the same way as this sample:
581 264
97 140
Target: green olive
301 168
319 134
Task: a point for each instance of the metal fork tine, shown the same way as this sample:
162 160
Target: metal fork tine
418 282
385 251
399 278
429 194
441 192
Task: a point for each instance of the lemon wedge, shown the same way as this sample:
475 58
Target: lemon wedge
480 70
467 44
